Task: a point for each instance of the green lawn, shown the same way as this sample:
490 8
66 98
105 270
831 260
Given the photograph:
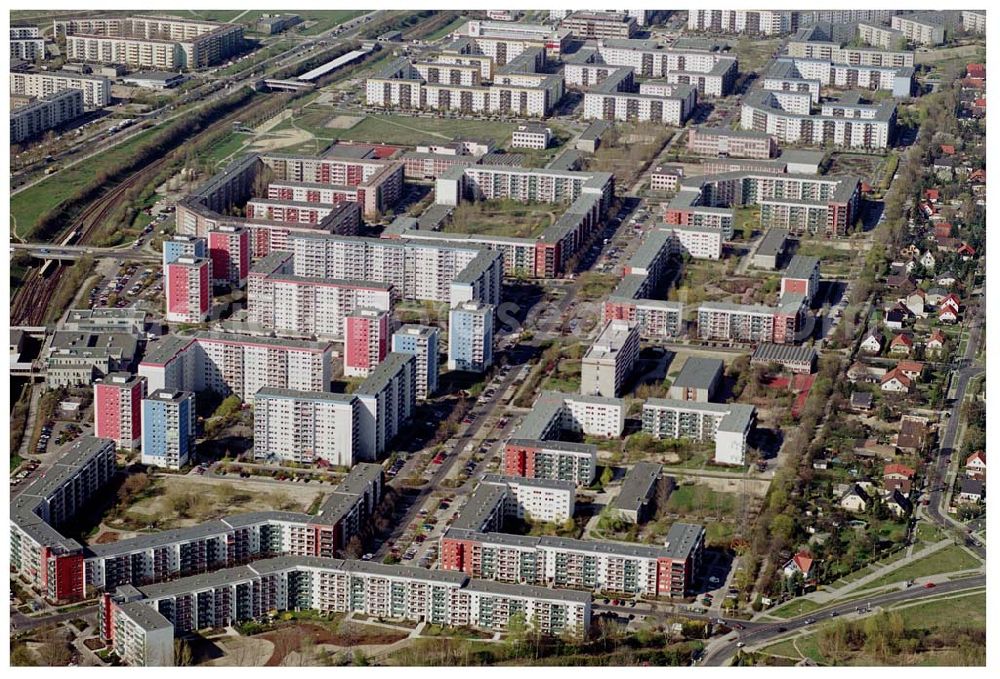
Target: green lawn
224 147
794 609
947 560
409 131
28 205
969 608
326 19
508 218
698 499
446 29
258 56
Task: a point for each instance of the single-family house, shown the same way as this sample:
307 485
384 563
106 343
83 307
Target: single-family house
927 260
899 477
801 563
912 369
965 251
934 347
855 499
947 315
912 436
915 302
871 448
901 345
975 465
932 195
895 382
934 295
861 401
947 279
872 342
978 176
947 149
942 230
898 504
896 317
972 490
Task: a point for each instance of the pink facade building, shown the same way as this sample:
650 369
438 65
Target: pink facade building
229 250
117 409
366 341
188 289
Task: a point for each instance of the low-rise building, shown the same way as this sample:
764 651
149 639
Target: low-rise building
799 360
635 501
726 142
727 424
698 380
531 136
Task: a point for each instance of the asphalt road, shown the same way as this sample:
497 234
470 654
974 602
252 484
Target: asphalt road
946 448
22 623
763 633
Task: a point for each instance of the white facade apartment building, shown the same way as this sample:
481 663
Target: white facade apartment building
844 76
738 322
422 342
660 102
609 361
531 137
305 427
852 126
142 637
752 22
387 397
416 270
878 35
48 112
923 29
291 304
238 364
536 499
96 89
974 21
711 73
26 43
151 42
470 336
727 424
697 241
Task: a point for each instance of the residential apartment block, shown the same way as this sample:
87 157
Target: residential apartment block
711 73
845 124
282 302
162 43
751 22
228 363
342 586
824 42
26 43
422 342
609 361
366 340
925 28
118 409
438 270
168 429
550 460
600 25
387 396
723 141
306 426
48 112
229 252
96 89
618 97
535 499
470 336
727 424
187 288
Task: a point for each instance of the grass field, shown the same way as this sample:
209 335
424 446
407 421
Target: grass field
446 29
699 500
947 560
509 218
969 608
795 608
412 131
327 19
28 205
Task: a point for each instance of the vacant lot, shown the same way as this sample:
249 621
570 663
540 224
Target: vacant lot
411 131
509 218
176 501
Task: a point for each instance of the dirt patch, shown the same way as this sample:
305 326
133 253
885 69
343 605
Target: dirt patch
242 652
281 139
290 639
106 538
343 122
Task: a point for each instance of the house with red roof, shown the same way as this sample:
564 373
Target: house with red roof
935 344
978 176
975 465
948 149
951 301
932 195
942 230
977 71
802 563
912 369
896 382
966 251
901 345
899 477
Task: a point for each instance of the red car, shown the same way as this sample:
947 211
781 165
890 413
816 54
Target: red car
929 585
